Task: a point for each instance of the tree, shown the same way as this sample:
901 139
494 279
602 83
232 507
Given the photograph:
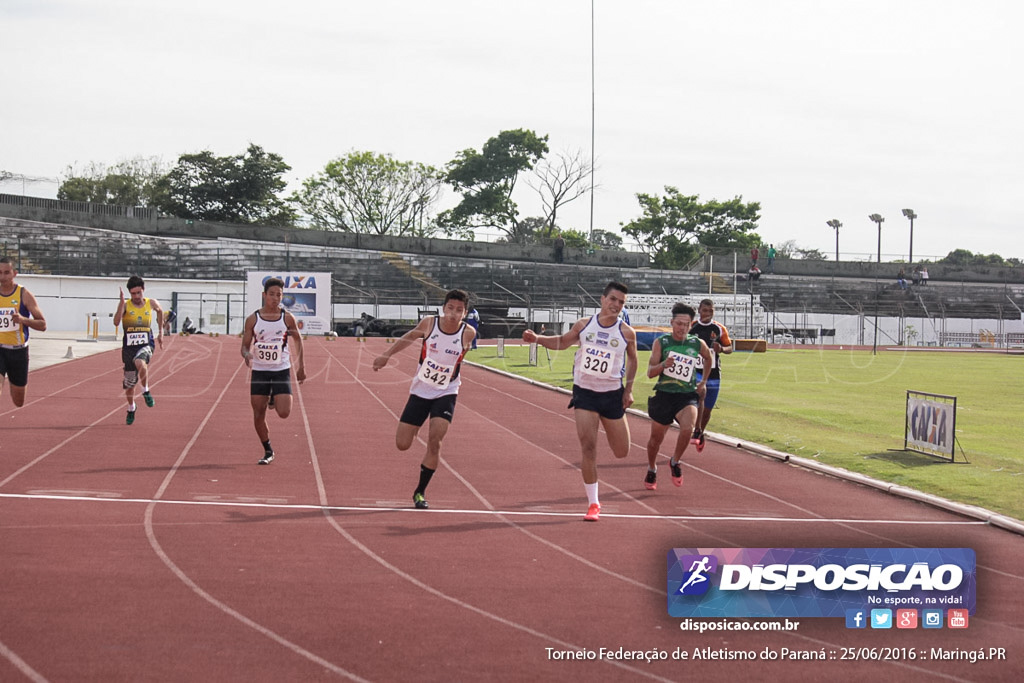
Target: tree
963 257
526 231
560 181
372 193
130 182
486 180
674 229
575 238
607 239
790 249
234 189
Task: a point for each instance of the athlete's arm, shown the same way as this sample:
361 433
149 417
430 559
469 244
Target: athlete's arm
725 344
293 330
120 308
37 321
468 335
155 305
247 332
557 342
654 365
421 330
631 363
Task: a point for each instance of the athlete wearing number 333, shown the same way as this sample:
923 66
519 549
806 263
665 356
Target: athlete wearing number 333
435 387
266 349
675 360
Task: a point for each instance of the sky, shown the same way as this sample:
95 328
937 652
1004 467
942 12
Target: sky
816 109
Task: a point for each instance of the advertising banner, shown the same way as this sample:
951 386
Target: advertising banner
307 296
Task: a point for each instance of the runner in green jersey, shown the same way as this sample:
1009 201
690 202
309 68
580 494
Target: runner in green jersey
675 360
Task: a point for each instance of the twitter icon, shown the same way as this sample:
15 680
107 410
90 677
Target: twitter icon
881 618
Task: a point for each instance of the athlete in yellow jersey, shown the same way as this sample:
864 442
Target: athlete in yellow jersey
137 348
19 313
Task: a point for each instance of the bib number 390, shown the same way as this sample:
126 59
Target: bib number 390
268 352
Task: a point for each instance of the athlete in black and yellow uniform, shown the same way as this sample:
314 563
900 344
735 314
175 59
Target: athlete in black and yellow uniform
675 359
19 313
137 315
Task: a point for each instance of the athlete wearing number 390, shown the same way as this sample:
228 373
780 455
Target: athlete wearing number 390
435 387
675 361
266 349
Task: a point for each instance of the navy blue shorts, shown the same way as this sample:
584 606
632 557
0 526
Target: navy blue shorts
607 404
664 406
418 409
711 397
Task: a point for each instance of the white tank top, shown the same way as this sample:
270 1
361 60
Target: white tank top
270 344
601 358
440 364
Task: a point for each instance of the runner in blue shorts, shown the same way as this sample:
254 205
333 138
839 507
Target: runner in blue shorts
714 334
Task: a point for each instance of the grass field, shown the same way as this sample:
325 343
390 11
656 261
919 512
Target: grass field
846 408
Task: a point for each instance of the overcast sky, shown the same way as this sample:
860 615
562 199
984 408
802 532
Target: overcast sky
817 109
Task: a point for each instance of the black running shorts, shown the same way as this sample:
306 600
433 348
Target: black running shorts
418 409
665 406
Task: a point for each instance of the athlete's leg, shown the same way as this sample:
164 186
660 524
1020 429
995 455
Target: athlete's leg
686 417
17 394
437 428
586 429
658 431
283 405
405 435
259 415
617 432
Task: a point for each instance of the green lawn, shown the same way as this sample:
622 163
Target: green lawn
846 408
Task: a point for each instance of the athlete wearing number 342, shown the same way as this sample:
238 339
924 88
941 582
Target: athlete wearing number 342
435 387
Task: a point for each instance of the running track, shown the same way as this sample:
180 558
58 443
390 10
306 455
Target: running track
162 551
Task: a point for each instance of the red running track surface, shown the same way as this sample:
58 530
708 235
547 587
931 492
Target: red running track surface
161 551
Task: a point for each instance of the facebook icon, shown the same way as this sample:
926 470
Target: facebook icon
856 618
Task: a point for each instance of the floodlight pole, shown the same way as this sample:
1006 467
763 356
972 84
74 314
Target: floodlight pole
835 224
876 218
909 213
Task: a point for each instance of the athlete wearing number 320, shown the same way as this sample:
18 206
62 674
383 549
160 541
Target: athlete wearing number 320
606 356
435 387
676 360
266 349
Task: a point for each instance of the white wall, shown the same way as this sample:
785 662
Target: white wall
69 303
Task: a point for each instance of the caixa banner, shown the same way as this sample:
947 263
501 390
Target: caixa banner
817 582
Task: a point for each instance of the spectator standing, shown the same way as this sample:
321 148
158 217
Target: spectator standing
771 259
559 249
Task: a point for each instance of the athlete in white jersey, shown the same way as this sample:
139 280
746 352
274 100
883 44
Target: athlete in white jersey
269 335
435 387
606 354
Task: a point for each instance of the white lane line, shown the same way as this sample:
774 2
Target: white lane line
366 550
192 585
20 664
491 513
